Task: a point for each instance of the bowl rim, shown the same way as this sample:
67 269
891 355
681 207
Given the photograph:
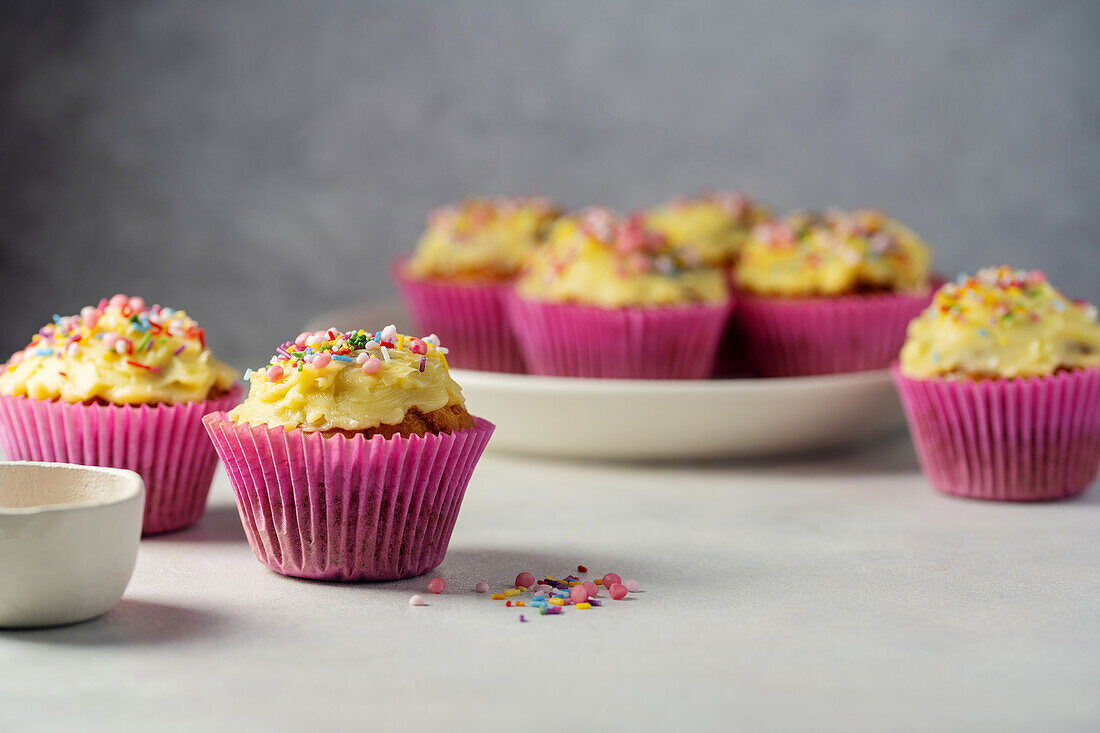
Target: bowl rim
133 486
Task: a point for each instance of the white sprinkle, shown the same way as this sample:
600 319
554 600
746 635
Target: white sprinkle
416 601
361 357
432 339
385 354
389 332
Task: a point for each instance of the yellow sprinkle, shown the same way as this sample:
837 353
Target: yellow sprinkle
512 592
572 583
557 601
521 588
443 360
584 605
497 596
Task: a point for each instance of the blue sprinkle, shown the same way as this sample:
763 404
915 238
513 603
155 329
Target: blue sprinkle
935 357
961 278
43 352
1058 305
247 373
57 319
983 333
342 357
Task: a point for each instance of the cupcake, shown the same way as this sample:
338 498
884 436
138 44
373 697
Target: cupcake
1000 381
606 297
350 456
464 265
121 385
828 293
710 230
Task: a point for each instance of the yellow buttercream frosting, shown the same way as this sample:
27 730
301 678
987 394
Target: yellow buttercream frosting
599 258
348 381
119 352
1001 323
709 229
834 253
481 238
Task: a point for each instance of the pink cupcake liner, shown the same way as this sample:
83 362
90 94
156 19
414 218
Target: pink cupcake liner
469 320
166 444
1006 439
566 340
794 337
348 509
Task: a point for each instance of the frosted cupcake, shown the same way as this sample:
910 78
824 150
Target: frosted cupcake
121 385
1000 380
828 293
710 230
464 264
350 456
605 297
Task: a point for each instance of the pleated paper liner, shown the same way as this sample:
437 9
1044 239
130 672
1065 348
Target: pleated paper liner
1031 439
468 318
347 509
665 342
794 337
165 444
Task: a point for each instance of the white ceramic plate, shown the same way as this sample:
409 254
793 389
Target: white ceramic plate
636 419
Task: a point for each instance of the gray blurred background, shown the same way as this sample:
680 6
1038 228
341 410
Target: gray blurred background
259 162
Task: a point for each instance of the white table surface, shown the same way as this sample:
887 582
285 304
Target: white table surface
824 593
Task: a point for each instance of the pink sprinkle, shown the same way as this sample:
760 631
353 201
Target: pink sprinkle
322 360
611 579
525 579
362 357
417 346
372 365
16 358
579 594
592 588
416 601
109 339
137 304
482 587
274 373
300 342
617 591
437 585
118 300
632 586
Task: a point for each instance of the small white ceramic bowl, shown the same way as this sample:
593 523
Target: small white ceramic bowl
68 540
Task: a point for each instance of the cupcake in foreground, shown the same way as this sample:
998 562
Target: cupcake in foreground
121 385
606 297
464 264
828 293
350 456
1000 380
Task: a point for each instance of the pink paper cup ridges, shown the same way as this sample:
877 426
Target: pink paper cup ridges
469 319
349 509
795 337
668 342
1006 439
165 444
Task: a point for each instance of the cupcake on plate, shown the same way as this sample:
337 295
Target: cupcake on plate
606 297
710 230
350 456
1000 380
822 293
464 264
121 385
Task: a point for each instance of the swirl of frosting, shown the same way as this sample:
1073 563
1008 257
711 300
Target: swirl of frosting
835 253
481 238
709 229
1001 322
351 381
597 257
120 352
